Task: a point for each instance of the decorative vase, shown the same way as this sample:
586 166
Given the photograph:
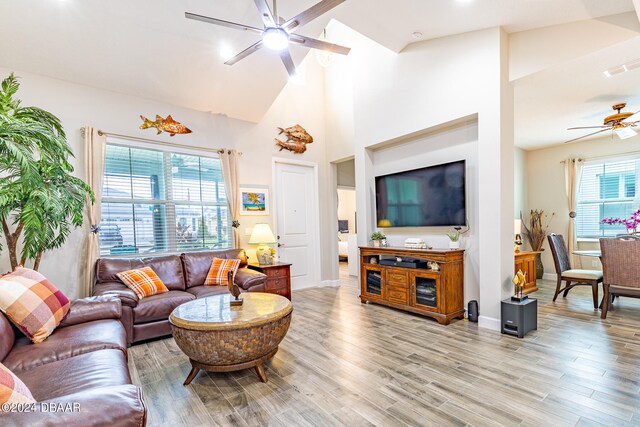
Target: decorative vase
264 256
376 243
539 266
454 245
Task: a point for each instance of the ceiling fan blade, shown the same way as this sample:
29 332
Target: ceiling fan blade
248 51
589 127
584 136
318 44
633 116
288 62
310 14
221 22
265 13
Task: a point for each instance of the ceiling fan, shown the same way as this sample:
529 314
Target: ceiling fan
616 122
277 33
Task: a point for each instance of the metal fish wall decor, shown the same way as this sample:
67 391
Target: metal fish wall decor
297 139
164 125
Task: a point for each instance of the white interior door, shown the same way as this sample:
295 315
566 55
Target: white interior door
296 210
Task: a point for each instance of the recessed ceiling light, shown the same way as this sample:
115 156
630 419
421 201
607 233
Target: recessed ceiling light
417 35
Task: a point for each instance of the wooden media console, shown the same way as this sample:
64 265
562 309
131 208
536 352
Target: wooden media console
436 291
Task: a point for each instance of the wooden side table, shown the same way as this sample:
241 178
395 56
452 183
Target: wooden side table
526 261
278 277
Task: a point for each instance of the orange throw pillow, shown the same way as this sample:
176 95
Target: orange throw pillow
219 271
12 389
32 303
143 281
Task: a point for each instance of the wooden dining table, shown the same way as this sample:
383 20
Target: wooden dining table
592 253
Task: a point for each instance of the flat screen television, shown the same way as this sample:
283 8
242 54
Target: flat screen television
426 197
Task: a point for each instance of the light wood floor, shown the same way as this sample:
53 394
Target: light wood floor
345 363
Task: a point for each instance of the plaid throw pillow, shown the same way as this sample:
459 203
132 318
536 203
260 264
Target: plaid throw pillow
219 271
32 303
143 281
12 389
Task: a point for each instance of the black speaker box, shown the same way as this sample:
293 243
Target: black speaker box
472 311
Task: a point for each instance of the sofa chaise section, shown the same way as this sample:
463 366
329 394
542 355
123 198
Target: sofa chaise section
82 367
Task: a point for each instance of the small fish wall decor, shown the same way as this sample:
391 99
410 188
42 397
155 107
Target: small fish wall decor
297 139
164 125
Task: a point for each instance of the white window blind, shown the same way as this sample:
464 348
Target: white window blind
607 189
157 201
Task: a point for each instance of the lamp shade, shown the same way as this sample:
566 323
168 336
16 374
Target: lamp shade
517 226
262 234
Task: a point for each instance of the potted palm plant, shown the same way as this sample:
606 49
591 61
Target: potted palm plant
40 199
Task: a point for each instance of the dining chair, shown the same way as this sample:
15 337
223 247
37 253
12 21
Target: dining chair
621 268
572 277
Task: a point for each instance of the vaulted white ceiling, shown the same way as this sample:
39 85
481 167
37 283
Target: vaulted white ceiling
148 49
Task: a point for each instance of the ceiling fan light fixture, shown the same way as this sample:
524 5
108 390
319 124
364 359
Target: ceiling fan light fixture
625 132
275 38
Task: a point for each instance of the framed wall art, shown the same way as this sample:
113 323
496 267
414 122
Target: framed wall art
254 200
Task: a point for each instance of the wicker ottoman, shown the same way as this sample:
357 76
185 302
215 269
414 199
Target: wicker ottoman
221 338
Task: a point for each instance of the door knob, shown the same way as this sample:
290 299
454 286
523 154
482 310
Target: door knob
280 244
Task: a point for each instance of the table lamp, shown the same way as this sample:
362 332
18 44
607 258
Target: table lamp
517 226
385 223
262 236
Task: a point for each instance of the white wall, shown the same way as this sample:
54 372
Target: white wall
303 105
529 51
546 182
520 183
454 143
347 207
397 96
346 173
78 106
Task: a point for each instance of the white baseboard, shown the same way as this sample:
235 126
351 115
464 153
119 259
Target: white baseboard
489 323
330 283
323 284
550 276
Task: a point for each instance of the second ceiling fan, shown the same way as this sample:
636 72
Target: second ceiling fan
618 122
277 33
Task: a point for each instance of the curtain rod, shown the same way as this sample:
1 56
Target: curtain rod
154 141
608 156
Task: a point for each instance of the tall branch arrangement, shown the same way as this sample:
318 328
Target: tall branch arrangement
536 231
39 198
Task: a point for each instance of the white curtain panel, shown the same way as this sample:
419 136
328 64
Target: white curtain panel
572 176
94 150
229 162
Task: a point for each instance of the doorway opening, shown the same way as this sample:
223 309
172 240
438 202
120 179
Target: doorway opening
347 240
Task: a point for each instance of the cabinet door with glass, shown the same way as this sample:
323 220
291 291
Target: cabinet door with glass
425 292
373 283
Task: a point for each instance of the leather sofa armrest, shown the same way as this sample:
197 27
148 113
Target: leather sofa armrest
104 406
126 295
247 278
93 308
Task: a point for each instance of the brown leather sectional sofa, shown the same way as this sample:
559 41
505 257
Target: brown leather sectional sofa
81 367
184 275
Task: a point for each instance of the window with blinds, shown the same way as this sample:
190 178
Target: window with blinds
607 189
156 201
